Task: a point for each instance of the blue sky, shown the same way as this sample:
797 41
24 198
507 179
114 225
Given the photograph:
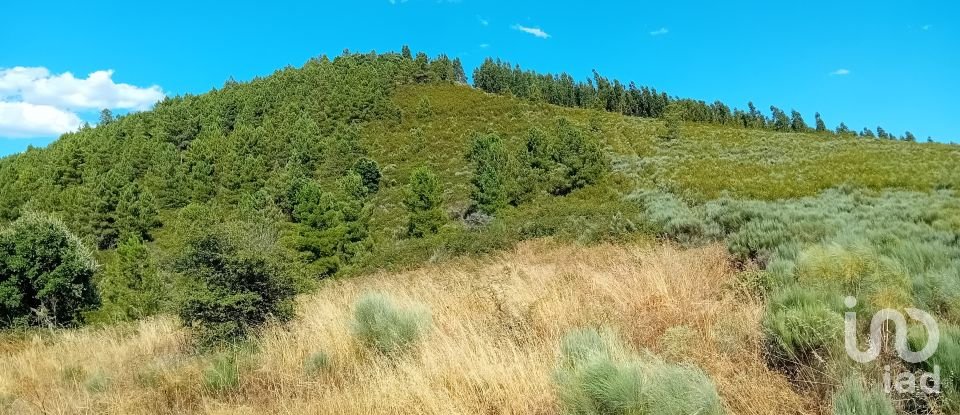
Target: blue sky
888 63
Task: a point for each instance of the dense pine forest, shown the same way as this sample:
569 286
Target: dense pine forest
381 201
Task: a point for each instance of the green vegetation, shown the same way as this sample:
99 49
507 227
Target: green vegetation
380 324
423 201
597 376
854 398
232 291
220 207
46 275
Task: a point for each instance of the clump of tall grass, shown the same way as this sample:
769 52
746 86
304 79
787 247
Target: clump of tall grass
98 382
598 376
223 373
316 363
854 398
946 360
800 323
382 325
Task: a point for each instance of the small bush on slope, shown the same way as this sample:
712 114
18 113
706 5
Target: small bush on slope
231 291
378 323
855 399
597 376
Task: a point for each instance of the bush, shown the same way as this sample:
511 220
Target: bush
369 172
947 358
316 363
798 322
45 274
423 201
223 374
378 323
596 376
231 291
855 399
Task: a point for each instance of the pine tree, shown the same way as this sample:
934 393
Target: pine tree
405 52
106 117
780 120
460 76
796 122
136 213
490 159
423 200
821 126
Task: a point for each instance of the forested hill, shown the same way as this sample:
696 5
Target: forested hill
371 160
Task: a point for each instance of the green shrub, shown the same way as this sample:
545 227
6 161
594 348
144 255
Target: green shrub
946 358
680 390
380 324
316 364
670 216
96 383
231 291
855 399
369 172
46 274
596 376
132 286
798 322
223 373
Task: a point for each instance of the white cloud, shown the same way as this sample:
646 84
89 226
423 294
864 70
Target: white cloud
34 102
659 32
22 120
37 86
532 30
397 1
926 27
840 72
483 22
484 45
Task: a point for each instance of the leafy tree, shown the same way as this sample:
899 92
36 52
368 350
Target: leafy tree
423 200
46 274
232 291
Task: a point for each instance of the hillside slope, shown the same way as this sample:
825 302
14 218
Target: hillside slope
355 173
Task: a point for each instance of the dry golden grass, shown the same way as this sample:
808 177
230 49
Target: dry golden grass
492 348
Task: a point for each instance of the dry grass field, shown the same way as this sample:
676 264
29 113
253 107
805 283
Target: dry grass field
492 346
